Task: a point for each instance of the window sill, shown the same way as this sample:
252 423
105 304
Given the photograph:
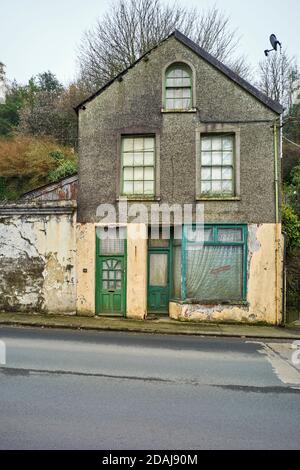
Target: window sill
172 111
231 198
244 303
138 198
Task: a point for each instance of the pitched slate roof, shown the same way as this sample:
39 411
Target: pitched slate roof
273 105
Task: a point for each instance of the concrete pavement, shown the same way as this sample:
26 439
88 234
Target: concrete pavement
162 325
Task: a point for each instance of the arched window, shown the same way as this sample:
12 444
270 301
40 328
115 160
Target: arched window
179 84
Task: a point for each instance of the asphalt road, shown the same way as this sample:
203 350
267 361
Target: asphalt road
99 390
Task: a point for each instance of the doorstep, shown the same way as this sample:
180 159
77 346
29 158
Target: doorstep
162 325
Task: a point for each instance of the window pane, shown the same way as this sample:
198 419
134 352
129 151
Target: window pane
206 143
227 187
226 173
128 187
206 173
205 186
216 186
149 144
128 144
149 174
149 158
158 269
111 243
215 273
138 174
227 158
128 173
128 159
216 173
216 143
149 187
138 159
230 235
206 158
138 187
217 158
228 143
138 144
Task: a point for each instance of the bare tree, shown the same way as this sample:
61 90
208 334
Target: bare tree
132 27
275 72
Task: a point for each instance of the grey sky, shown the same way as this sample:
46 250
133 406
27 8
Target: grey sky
39 35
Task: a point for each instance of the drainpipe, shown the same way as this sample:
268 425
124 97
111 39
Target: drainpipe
277 228
284 291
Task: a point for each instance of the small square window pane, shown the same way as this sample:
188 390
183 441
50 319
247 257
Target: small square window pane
170 93
206 143
138 187
170 103
111 284
227 187
205 186
217 158
118 285
138 144
227 158
217 143
149 187
216 186
128 187
178 104
227 143
226 173
138 159
186 103
216 173
104 274
149 144
128 159
138 174
127 144
206 173
208 234
111 274
149 158
206 158
186 82
104 285
128 173
230 235
149 174
118 275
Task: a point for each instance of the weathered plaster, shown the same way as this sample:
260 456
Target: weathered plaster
137 249
37 258
86 262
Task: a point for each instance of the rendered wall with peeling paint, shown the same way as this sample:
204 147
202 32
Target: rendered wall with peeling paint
37 258
263 291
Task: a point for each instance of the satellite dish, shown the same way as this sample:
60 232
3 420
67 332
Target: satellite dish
274 42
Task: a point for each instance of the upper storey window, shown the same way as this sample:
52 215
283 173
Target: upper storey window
179 87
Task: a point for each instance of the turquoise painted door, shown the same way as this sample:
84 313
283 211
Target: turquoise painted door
158 281
111 285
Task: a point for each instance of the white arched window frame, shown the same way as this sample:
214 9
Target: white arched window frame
178 94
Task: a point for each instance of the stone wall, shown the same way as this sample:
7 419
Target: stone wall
37 257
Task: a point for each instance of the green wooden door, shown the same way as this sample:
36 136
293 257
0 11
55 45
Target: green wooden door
111 285
158 281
